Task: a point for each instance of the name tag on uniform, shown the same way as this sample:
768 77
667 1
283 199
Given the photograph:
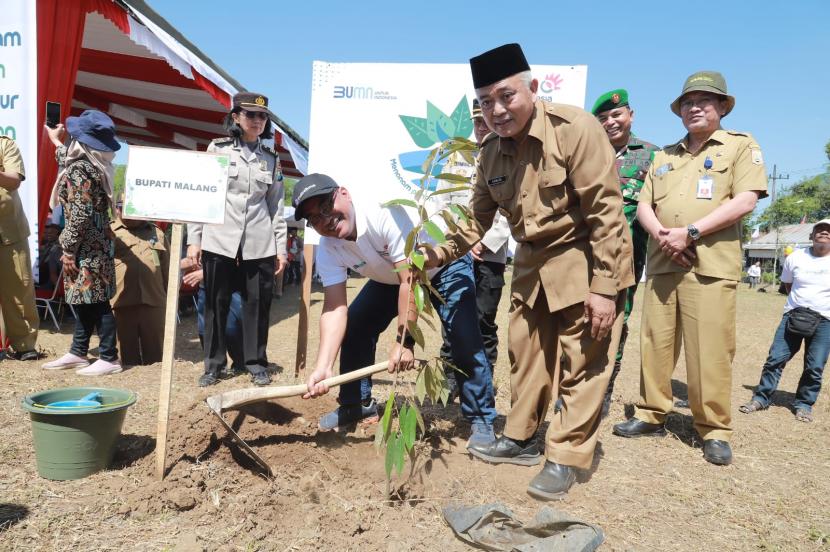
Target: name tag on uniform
156 260
705 187
663 169
263 165
496 181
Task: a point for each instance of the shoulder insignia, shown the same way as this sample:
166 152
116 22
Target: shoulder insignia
565 112
736 133
222 141
269 149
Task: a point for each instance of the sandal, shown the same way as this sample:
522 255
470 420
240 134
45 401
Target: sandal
751 406
803 415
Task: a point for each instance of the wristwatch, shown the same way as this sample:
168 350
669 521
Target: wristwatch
693 232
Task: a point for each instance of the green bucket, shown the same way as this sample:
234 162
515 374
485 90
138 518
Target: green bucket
74 442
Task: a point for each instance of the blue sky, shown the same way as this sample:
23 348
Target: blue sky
775 56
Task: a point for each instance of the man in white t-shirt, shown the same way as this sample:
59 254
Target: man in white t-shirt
806 275
371 241
754 273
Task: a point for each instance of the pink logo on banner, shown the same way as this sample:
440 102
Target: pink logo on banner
551 82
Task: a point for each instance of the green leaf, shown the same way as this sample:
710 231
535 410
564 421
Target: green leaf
468 156
426 167
461 119
422 212
444 396
448 220
418 259
390 455
386 421
400 452
408 428
418 292
409 246
434 232
415 332
464 180
427 319
459 212
419 419
417 128
435 293
420 386
401 268
407 202
379 436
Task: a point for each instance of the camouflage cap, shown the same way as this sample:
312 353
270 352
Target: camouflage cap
610 100
705 81
251 101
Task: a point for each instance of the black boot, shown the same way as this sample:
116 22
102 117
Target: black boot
553 482
505 450
717 452
638 428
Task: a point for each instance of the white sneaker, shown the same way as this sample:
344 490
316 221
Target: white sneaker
66 362
100 368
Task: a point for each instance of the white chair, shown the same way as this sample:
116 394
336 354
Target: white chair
44 300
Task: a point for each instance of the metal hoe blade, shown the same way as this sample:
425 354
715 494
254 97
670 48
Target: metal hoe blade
239 441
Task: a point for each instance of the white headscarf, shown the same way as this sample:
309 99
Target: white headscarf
101 160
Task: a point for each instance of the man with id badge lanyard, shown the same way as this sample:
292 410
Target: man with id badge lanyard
695 194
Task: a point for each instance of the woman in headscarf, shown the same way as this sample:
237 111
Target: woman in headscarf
84 189
245 252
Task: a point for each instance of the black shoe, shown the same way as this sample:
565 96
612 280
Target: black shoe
717 452
261 379
505 450
553 482
23 355
638 428
208 379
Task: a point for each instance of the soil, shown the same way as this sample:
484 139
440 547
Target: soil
329 490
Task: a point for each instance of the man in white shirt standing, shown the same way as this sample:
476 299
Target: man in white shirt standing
806 275
371 241
754 273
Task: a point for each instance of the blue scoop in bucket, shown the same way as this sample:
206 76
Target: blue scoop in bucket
93 400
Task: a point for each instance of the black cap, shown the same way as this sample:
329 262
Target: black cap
313 185
251 101
498 64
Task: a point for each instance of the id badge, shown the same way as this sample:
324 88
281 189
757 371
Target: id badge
705 187
156 259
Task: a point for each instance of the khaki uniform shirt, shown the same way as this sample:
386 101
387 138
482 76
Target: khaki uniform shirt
141 263
559 191
672 189
13 223
254 220
496 238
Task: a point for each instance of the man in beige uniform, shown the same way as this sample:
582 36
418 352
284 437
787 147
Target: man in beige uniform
549 170
141 265
17 287
694 197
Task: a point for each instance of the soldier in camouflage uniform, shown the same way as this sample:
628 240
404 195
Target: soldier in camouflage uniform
634 157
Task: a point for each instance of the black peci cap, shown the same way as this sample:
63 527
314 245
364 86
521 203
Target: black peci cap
498 64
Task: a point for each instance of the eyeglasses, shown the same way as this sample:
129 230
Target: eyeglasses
255 114
324 213
705 101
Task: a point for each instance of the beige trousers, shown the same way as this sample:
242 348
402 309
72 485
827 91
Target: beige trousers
700 310
537 340
17 296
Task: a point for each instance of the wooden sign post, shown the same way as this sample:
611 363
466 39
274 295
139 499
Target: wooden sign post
174 186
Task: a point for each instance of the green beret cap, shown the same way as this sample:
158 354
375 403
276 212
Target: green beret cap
610 100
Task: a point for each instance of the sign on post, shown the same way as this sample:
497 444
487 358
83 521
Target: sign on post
174 186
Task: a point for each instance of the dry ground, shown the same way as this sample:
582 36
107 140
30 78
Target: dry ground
329 494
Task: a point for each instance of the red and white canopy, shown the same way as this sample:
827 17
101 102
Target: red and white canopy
122 58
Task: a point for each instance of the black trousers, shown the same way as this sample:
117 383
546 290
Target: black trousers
489 284
254 280
91 316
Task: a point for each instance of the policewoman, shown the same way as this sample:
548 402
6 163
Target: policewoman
245 252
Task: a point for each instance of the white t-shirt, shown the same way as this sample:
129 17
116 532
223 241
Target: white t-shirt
380 243
810 279
754 271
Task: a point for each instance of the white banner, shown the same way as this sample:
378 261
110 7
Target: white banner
373 124
175 185
18 100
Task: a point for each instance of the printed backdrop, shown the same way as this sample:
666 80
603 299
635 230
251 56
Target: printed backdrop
372 124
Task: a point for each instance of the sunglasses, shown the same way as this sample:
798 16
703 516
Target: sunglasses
324 213
255 114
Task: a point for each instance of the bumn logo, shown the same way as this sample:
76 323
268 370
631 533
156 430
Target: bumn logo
353 92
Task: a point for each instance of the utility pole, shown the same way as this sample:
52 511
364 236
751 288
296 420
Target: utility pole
775 177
